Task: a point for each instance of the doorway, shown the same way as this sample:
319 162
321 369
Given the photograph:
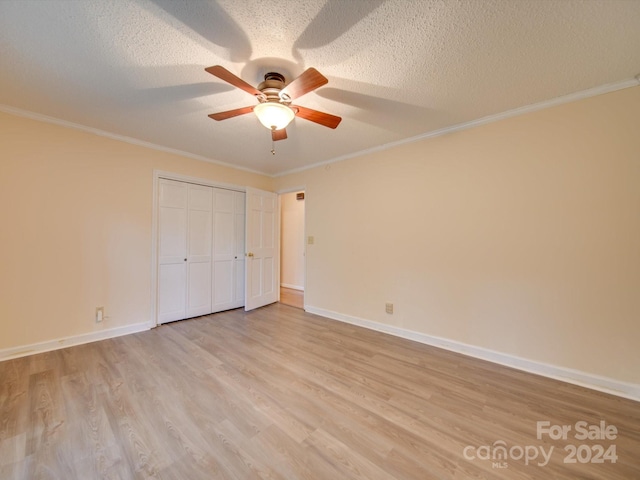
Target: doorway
292 254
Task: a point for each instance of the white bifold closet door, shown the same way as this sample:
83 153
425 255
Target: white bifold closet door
228 249
203 234
184 250
172 251
199 240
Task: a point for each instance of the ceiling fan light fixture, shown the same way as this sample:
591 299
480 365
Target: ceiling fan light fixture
272 114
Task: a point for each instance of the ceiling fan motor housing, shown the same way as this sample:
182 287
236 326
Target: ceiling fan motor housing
271 86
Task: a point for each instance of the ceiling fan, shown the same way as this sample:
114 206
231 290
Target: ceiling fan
274 109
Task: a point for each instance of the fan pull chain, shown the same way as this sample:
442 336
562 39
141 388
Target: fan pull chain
273 143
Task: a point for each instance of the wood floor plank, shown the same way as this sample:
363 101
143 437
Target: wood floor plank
281 394
14 411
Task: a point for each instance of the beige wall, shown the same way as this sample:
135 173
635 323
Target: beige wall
521 236
75 229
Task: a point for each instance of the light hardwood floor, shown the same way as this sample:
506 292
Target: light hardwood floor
281 394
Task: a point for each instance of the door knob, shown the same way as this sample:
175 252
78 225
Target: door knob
250 254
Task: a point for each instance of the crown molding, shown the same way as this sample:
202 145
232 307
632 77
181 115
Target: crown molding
572 97
122 138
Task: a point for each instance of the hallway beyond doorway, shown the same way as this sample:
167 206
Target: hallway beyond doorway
291 297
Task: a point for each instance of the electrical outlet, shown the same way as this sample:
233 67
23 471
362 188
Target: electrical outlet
99 314
388 307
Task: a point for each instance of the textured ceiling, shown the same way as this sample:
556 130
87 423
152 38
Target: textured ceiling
396 68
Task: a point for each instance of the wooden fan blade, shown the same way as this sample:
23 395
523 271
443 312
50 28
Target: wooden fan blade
224 74
231 113
305 83
278 134
322 118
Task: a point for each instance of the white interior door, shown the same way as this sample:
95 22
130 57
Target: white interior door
262 249
172 250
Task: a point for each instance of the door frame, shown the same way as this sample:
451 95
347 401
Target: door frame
298 188
157 175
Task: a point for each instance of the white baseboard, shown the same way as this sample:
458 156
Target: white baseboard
34 348
292 287
576 377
